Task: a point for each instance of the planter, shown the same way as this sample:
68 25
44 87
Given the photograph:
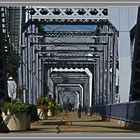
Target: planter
15 122
50 114
42 114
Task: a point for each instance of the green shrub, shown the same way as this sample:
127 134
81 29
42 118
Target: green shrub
15 107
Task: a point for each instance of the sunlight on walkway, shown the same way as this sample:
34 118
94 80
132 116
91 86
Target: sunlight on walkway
71 123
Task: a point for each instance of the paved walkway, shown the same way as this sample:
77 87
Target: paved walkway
72 124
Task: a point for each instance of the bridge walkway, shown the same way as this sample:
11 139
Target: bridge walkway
71 123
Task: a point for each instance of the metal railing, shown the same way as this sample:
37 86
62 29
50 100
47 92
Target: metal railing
123 111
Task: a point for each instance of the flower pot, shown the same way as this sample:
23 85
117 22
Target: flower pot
42 114
15 122
50 114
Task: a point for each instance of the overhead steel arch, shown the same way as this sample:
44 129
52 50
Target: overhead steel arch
73 87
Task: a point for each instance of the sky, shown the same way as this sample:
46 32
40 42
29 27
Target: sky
70 27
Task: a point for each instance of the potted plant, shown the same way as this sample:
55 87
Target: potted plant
58 109
16 115
51 106
42 107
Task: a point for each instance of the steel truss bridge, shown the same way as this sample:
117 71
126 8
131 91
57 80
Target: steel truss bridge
98 54
81 64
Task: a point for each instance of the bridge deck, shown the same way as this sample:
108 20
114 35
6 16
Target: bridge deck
73 124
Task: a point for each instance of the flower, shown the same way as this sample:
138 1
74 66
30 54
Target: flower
42 102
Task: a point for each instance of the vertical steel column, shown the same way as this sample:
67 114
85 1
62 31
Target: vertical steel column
34 79
40 67
21 73
40 80
98 82
105 64
105 74
42 77
95 85
29 69
22 65
111 71
19 49
108 69
103 67
37 71
101 77
89 71
114 67
26 64
26 73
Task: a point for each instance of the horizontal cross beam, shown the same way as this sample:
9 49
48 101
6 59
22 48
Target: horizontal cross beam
68 44
69 33
83 21
66 60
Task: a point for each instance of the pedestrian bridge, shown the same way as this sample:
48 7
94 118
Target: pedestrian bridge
86 55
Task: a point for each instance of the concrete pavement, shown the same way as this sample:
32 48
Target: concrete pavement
62 124
71 127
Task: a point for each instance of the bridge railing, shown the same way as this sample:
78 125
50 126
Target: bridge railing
122 111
